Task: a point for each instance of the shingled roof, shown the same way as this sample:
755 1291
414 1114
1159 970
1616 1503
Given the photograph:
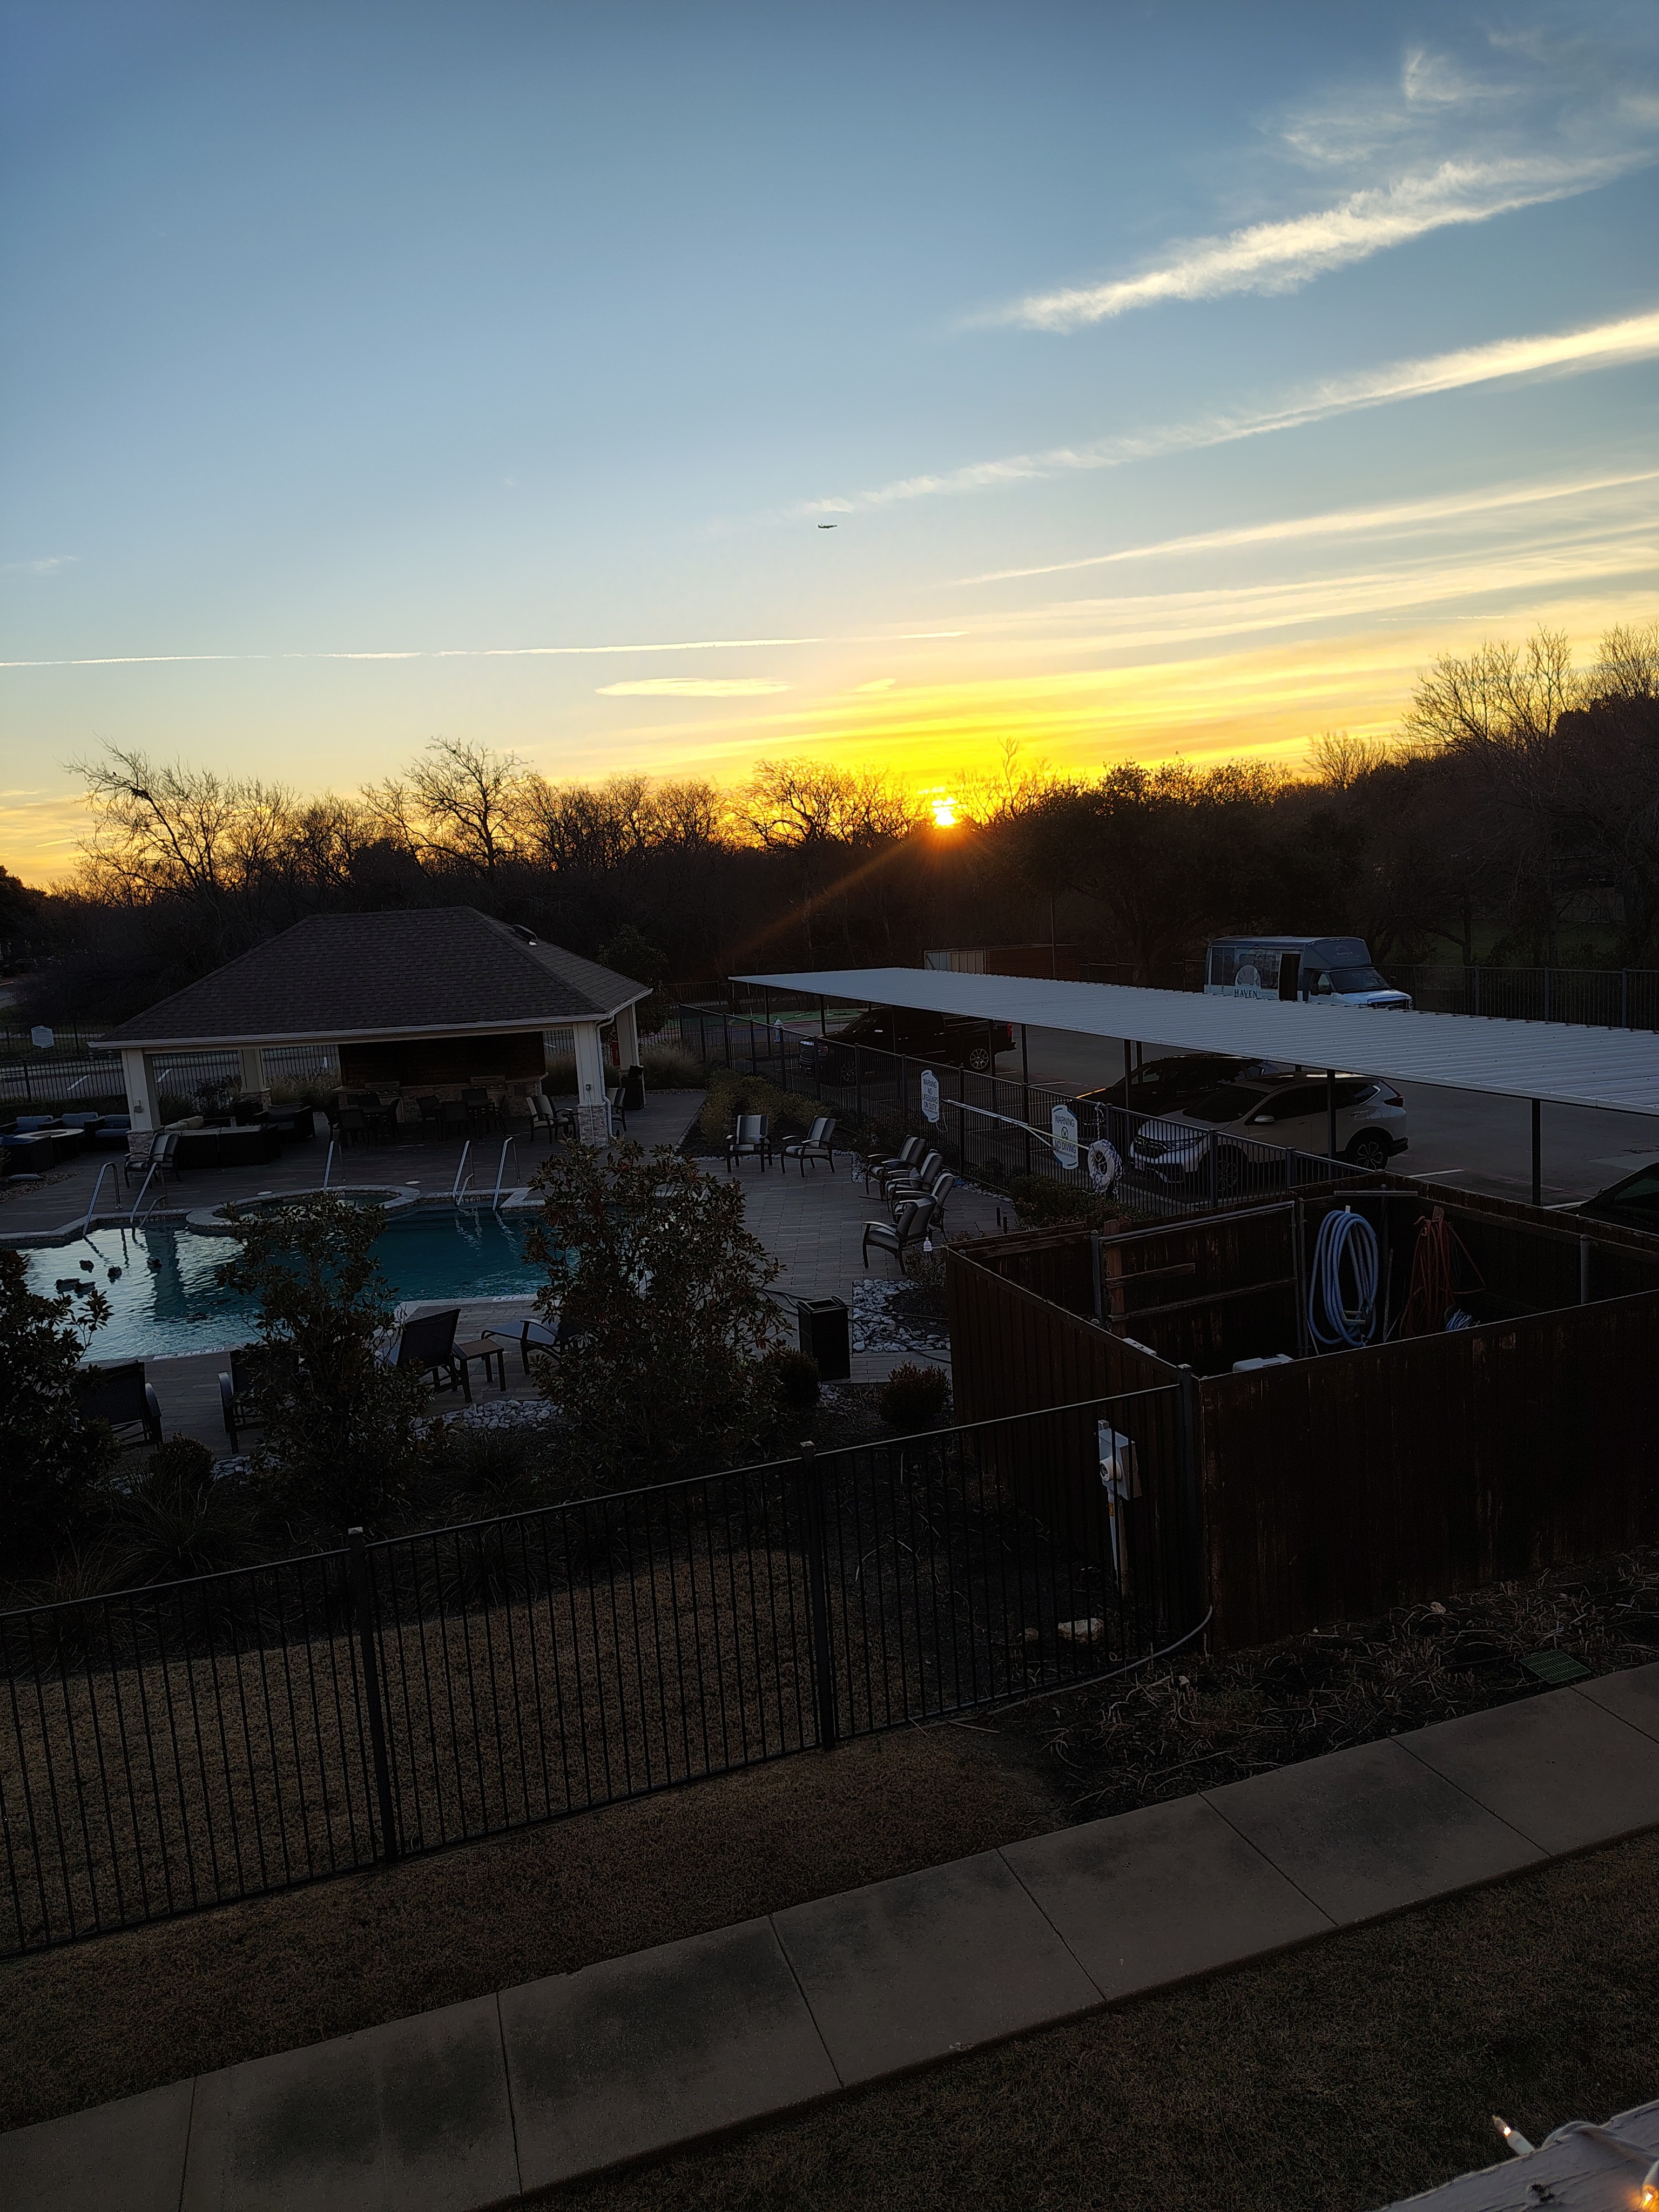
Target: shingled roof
432 971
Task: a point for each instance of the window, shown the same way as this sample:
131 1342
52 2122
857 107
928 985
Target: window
1229 1101
1355 1094
1297 1104
1356 978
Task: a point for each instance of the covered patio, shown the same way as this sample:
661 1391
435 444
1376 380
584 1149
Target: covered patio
419 1011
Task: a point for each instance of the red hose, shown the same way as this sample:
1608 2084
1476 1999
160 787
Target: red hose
1434 1276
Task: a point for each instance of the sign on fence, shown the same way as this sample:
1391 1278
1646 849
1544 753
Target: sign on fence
1062 1128
929 1095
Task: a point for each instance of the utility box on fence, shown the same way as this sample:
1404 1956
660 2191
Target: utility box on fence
824 1337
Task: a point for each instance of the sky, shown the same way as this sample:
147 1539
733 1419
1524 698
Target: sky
663 388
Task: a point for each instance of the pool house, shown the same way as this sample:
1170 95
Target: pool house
414 1005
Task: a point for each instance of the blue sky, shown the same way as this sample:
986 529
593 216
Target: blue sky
363 361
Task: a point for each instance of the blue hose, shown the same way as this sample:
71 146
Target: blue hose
1342 1312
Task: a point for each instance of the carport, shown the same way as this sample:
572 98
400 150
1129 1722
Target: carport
1555 1062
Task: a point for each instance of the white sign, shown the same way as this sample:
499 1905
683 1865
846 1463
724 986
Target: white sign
1062 1127
41 1035
929 1095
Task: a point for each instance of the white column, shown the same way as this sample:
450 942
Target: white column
593 1105
144 1105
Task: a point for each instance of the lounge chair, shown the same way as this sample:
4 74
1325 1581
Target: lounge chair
936 1193
907 1157
751 1139
914 1181
157 1154
897 1236
816 1146
427 1345
237 1403
531 1336
120 1396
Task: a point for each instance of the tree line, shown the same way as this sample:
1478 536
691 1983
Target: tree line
1520 795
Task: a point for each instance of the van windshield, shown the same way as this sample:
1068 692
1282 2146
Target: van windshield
1226 1103
1357 979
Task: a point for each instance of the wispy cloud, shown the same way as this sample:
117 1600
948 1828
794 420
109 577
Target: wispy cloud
47 564
1455 139
1556 352
495 652
1341 522
693 687
1278 256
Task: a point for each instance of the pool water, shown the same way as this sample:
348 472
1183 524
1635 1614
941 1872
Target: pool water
166 1299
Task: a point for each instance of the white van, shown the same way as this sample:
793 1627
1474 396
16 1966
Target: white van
1335 971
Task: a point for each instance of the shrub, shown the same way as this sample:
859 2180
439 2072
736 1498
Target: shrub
662 1370
795 1374
670 1066
340 1423
177 1522
560 1080
51 1460
914 1397
731 1094
1045 1203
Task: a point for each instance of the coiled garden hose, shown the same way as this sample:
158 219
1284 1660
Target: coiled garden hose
1342 1290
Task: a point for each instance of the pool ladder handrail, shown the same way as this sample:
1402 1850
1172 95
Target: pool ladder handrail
328 1164
458 1186
155 1169
500 1169
97 1193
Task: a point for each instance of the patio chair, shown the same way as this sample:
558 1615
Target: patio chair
237 1386
454 1120
907 1155
432 1114
351 1126
157 1154
120 1396
937 1192
751 1139
617 1096
533 1336
545 1117
815 1145
897 1236
428 1345
915 1182
480 1112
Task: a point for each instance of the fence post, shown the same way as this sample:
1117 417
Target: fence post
818 1595
363 1613
1191 1516
1624 998
1477 990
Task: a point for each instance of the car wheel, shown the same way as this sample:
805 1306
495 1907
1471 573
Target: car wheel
1370 1152
979 1059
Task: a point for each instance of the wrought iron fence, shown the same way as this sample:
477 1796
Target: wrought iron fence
1605 997
169 1748
991 1129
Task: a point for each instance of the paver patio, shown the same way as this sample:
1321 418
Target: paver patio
483 2103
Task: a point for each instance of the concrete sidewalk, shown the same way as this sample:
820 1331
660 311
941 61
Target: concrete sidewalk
492 2101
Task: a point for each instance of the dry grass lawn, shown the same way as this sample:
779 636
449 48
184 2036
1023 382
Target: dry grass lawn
1331 2079
125 2012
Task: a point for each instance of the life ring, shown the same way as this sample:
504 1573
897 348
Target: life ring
1105 1164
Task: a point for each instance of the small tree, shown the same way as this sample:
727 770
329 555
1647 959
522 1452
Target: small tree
340 1424
662 1292
51 1460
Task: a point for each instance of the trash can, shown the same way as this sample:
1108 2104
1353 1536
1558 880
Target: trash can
824 1337
634 1090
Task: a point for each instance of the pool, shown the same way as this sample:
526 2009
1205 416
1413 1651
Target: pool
165 1299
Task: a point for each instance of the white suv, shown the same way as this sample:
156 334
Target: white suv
1289 1112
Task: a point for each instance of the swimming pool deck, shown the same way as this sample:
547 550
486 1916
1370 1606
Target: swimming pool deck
812 1225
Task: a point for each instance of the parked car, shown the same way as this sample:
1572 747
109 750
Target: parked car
909 1030
1631 1204
1162 1086
1333 971
1288 1111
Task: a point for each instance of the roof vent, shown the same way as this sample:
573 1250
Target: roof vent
528 936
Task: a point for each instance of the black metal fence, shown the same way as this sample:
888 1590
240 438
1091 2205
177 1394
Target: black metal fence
1605 997
992 1128
169 1748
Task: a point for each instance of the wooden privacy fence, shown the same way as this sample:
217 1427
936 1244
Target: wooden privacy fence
1335 1487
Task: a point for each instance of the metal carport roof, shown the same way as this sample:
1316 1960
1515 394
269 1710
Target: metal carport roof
1556 1061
